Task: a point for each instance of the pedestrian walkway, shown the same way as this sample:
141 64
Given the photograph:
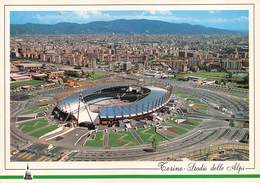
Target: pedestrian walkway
106 138
137 136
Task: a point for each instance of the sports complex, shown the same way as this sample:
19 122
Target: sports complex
110 103
130 119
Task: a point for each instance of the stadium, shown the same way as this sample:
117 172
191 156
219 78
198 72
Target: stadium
111 103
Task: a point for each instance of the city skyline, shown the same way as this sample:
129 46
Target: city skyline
227 19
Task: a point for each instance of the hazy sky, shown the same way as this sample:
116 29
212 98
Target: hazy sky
232 20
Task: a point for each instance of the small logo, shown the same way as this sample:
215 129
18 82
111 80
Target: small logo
27 175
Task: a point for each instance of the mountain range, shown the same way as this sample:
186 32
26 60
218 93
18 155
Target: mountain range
123 26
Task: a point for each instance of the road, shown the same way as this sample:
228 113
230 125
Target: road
215 130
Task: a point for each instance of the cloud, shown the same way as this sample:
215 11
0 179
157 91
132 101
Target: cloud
70 16
225 20
214 11
81 14
87 14
243 18
156 12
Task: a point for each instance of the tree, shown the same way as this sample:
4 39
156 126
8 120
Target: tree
44 66
229 75
87 74
222 81
155 143
82 73
246 79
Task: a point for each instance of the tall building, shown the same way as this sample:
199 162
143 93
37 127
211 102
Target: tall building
228 64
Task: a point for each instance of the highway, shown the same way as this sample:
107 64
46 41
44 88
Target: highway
214 130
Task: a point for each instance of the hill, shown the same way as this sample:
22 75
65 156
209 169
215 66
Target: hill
137 26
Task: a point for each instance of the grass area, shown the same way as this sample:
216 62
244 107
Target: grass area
187 126
169 122
42 131
200 107
182 127
97 142
36 108
178 130
36 128
240 95
97 75
45 103
148 135
32 125
191 123
204 74
239 75
32 109
194 99
117 139
24 83
195 122
238 85
181 94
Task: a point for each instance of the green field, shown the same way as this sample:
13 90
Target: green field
40 132
181 94
168 122
97 142
191 123
183 127
148 135
24 83
194 99
32 109
178 130
97 75
204 74
36 108
184 95
240 95
187 126
117 139
202 107
45 103
36 128
32 125
238 85
195 122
